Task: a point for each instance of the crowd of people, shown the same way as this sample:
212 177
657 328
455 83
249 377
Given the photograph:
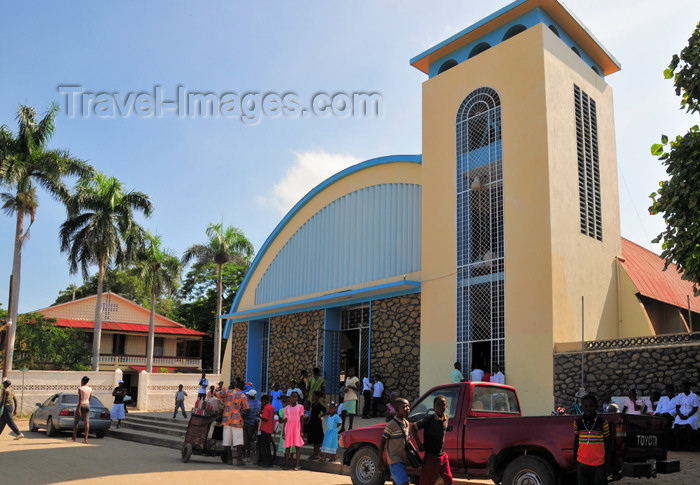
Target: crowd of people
478 374
297 414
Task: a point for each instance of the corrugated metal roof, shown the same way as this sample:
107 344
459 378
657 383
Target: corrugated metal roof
645 269
127 327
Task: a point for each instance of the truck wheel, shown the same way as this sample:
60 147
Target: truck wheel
529 470
364 467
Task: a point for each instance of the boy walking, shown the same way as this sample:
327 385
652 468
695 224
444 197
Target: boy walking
180 401
396 434
436 463
591 442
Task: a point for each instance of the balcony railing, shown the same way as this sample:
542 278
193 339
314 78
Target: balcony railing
157 361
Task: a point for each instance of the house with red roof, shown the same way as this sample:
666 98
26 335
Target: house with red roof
124 333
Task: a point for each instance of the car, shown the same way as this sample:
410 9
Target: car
57 413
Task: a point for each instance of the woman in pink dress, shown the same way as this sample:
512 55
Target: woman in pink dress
293 414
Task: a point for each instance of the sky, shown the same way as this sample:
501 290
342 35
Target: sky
109 66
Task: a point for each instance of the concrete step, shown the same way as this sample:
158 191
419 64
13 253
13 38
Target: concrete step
147 437
153 428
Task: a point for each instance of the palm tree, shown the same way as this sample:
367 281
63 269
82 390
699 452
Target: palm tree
228 245
100 230
25 163
159 270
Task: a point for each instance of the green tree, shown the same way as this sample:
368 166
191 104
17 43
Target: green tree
224 246
678 198
101 229
41 345
159 271
25 163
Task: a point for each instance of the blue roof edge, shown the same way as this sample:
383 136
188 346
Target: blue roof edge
304 200
465 31
500 12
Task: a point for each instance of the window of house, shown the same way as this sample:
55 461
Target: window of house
158 346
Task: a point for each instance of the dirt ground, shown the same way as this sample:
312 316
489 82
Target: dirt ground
38 460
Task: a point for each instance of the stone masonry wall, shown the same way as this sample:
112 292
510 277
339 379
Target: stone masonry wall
647 368
395 343
239 350
293 345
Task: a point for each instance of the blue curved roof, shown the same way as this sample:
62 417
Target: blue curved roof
305 200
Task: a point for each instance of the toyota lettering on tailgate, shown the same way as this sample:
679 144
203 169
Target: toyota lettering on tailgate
646 440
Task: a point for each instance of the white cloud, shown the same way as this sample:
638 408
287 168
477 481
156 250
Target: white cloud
310 169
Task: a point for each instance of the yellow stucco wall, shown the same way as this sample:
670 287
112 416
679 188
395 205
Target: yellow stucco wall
635 322
389 173
549 263
582 266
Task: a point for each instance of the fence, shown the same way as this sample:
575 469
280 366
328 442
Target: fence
156 392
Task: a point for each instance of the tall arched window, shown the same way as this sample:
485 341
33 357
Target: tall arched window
480 241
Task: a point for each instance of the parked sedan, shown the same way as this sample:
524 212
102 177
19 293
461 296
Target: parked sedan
56 414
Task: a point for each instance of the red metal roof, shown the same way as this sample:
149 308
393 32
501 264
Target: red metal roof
645 269
128 327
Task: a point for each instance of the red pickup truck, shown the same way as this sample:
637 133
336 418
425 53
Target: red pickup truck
487 437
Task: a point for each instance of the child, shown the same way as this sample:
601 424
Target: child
276 395
180 401
591 442
390 411
315 426
267 428
395 442
330 440
210 393
633 405
293 415
436 463
305 422
281 420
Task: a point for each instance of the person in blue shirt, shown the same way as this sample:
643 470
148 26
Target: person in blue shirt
250 423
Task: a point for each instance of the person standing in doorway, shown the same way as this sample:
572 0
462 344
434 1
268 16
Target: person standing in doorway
366 396
118 407
477 373
82 410
498 377
377 391
9 409
352 387
456 375
203 384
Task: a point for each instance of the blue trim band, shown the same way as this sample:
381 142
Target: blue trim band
321 302
305 200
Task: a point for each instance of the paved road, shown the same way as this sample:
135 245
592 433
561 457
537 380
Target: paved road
38 460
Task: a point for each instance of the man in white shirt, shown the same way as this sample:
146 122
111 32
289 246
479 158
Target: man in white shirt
477 373
666 406
367 396
378 390
498 377
686 417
